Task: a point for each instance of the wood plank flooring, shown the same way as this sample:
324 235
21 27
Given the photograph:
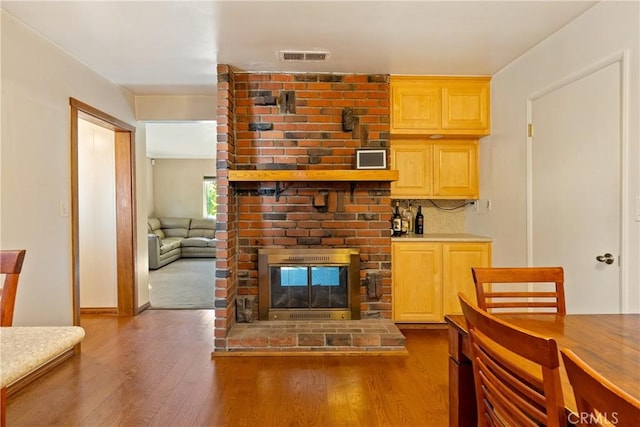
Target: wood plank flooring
156 370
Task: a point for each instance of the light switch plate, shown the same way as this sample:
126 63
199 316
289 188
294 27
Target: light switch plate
64 208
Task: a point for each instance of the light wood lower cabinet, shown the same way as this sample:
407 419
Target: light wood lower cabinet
417 282
427 277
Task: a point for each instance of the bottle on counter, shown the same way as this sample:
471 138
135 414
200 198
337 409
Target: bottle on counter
410 226
419 221
397 220
405 220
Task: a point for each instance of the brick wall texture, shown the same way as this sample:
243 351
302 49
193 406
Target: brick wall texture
226 225
296 120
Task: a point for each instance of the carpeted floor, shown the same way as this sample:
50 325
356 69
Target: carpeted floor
187 283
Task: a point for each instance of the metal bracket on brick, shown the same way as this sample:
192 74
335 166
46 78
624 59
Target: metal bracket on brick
352 189
279 191
287 102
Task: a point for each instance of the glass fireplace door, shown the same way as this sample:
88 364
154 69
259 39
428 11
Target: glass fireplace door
289 287
308 283
329 287
304 287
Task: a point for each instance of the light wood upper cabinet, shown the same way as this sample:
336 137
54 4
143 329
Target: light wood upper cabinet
455 106
427 277
416 106
455 169
414 163
446 169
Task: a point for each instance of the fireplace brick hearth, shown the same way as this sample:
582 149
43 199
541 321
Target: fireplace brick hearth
254 132
373 336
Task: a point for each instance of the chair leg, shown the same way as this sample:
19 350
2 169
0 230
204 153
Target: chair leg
3 407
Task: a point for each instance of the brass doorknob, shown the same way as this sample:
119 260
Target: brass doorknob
606 258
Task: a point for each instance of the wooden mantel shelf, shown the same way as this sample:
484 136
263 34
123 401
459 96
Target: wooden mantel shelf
352 175
349 175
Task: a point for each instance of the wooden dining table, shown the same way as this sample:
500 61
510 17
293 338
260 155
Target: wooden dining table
609 343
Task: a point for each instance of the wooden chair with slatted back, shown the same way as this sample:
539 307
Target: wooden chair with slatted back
516 372
599 401
520 289
10 266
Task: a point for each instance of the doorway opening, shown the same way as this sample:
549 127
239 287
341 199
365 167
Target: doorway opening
124 163
181 206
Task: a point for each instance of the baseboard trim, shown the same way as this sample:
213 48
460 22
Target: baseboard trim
99 310
402 326
143 307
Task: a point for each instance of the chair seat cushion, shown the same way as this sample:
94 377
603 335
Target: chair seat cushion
169 244
25 348
198 242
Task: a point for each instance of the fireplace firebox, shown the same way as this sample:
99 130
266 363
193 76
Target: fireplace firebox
295 284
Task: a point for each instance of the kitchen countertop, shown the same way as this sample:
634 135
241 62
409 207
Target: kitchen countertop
441 237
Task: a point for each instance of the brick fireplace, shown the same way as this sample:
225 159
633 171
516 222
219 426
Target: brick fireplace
302 121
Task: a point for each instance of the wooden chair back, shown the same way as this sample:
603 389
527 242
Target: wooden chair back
540 288
516 372
599 401
10 266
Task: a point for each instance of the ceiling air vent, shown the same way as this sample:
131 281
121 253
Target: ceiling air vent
299 55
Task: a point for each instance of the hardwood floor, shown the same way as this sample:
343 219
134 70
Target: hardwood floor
156 370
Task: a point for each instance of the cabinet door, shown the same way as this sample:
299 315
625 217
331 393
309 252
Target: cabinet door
465 106
414 161
455 169
457 261
417 282
416 106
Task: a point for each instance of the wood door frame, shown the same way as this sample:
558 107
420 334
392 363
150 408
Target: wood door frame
127 287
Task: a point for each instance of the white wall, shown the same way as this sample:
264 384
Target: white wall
605 30
97 216
176 107
37 81
177 184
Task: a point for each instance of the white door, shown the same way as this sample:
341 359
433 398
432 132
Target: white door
576 188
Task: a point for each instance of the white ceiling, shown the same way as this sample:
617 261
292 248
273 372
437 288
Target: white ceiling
172 47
